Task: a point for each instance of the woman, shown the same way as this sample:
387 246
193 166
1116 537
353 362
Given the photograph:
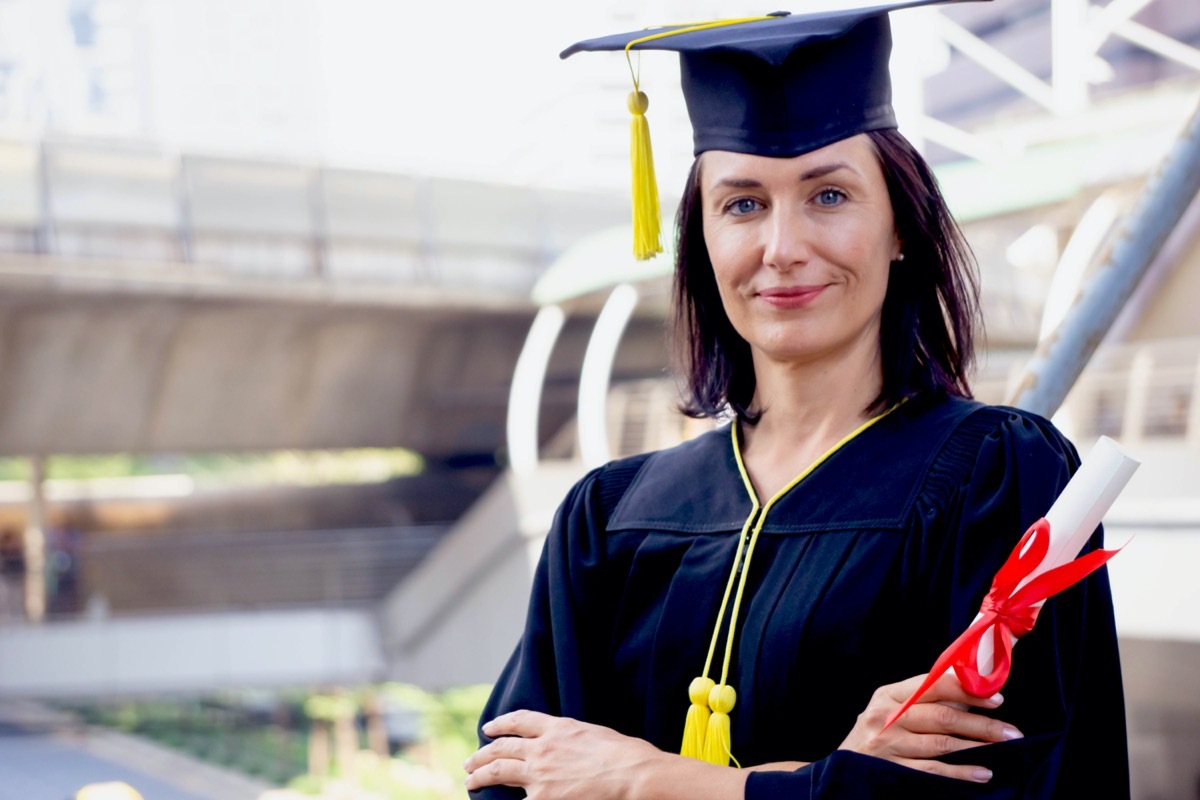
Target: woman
790 573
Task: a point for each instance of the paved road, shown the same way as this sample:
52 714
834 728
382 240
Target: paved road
48 755
47 766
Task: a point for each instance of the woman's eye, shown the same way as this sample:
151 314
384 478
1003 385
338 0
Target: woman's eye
743 205
830 197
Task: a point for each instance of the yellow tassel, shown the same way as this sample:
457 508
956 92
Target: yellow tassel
697 718
717 741
646 215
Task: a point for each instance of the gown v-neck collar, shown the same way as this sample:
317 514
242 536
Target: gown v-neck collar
697 487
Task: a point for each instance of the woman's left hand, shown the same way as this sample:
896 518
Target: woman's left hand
558 757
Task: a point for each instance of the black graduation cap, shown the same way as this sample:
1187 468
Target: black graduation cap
778 85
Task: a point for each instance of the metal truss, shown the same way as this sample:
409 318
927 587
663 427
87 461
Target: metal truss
1079 28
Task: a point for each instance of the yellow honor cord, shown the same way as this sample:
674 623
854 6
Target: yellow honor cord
699 718
717 740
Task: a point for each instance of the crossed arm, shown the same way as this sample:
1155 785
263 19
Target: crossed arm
557 757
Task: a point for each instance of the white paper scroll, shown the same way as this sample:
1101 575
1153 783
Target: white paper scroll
1076 513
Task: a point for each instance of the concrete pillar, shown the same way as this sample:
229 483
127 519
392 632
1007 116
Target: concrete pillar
35 543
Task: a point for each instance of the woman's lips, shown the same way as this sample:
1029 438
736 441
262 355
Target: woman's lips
791 296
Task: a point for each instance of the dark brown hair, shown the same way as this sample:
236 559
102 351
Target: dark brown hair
930 312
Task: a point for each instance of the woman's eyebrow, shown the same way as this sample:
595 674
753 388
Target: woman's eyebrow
812 174
825 169
738 183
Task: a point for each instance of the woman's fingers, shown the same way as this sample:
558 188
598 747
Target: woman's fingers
946 719
557 758
944 688
519 723
958 771
943 721
501 772
499 763
509 747
929 745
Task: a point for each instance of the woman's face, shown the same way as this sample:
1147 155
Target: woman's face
801 248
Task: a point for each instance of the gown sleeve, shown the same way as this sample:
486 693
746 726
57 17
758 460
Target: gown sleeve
562 649
999 473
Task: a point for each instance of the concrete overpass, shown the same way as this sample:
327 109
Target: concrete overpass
157 303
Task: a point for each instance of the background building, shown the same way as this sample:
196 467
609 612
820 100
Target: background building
271 225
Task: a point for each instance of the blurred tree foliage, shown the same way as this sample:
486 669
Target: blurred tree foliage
274 736
427 767
305 467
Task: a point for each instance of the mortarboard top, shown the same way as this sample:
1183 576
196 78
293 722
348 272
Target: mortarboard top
779 85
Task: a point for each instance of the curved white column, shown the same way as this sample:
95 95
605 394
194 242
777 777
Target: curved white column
525 394
592 420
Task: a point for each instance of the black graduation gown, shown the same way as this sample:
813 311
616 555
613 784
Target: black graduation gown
863 573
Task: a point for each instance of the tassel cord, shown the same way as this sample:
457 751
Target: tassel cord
647 216
738 566
722 697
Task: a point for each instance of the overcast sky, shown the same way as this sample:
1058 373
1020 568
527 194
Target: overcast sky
473 88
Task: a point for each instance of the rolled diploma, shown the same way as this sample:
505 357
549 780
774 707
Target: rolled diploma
1075 514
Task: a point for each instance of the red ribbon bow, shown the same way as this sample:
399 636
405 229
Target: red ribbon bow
1009 612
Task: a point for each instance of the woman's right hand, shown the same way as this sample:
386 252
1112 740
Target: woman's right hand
937 724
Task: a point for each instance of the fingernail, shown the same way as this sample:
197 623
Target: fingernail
982 775
487 726
1010 733
997 698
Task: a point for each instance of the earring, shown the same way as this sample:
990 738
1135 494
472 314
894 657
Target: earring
900 257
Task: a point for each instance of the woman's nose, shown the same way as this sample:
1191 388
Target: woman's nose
787 242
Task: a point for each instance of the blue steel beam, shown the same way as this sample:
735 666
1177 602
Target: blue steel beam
1062 355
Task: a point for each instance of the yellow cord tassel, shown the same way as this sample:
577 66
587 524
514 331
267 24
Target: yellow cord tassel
717 741
646 215
696 726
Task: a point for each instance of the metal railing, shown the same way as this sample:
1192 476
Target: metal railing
1140 392
1133 392
117 573
258 219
